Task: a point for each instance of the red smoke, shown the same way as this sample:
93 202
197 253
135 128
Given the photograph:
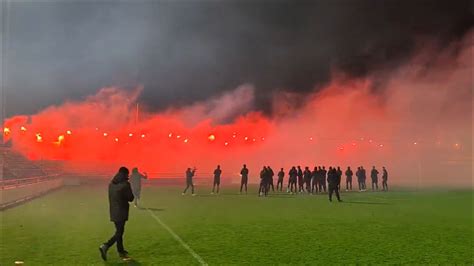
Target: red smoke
427 102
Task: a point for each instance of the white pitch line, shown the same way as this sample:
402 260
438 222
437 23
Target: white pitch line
175 236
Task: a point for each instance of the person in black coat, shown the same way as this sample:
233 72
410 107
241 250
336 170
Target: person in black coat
120 194
333 182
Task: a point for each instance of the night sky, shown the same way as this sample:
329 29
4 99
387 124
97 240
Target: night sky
185 51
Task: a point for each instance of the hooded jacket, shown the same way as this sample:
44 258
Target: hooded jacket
120 193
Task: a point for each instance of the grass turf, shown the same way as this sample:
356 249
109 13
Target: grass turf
401 227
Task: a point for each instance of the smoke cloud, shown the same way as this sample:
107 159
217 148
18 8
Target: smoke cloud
414 119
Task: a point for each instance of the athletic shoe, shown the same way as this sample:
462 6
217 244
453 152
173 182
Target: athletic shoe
194 194
212 193
183 194
124 254
103 251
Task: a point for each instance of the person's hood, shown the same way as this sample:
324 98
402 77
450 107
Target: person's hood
119 178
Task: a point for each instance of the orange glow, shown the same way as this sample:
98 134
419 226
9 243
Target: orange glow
6 131
105 134
186 140
143 135
170 135
130 134
39 138
116 139
22 128
212 137
226 143
69 132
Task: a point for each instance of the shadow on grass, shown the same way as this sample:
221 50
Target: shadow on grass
365 202
131 262
151 209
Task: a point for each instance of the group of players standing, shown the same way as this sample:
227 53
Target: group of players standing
319 180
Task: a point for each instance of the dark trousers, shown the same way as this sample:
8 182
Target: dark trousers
217 182
243 183
385 185
263 188
348 184
293 185
280 184
117 237
189 184
375 183
322 185
314 186
308 185
332 189
271 185
300 184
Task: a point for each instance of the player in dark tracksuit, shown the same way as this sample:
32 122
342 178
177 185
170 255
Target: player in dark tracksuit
307 179
349 175
300 180
374 175
333 182
245 178
217 179
314 181
339 175
384 179
189 180
270 176
322 179
293 173
281 175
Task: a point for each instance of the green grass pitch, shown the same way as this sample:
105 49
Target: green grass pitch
66 227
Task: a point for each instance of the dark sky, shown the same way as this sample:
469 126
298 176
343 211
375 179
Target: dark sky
183 51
